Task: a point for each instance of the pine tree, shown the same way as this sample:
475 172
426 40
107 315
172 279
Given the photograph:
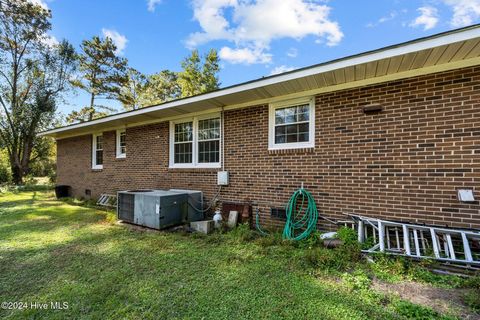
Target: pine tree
197 78
102 73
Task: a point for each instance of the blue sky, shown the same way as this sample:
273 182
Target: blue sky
255 38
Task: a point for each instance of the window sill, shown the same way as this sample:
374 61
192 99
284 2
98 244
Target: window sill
291 146
211 166
121 157
291 150
97 169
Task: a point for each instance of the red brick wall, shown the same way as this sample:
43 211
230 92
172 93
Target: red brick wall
404 163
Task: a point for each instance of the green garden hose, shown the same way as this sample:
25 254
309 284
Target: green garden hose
301 220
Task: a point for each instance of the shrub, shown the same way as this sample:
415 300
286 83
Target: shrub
347 235
5 174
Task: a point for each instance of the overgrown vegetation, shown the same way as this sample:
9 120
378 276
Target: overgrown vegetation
69 251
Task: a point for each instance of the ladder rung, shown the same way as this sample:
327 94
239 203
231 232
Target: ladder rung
406 239
466 248
450 246
434 243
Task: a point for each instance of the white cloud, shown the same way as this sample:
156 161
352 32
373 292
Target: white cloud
40 3
292 52
118 39
253 24
50 40
244 55
392 15
428 18
465 12
151 4
281 69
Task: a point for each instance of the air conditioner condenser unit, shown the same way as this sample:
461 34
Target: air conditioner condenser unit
157 209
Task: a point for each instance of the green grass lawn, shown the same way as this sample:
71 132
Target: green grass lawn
54 251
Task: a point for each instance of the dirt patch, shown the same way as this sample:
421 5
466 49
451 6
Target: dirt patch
440 299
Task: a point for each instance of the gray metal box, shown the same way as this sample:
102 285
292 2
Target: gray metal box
156 209
195 204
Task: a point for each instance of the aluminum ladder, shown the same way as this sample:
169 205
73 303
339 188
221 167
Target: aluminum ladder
419 241
107 200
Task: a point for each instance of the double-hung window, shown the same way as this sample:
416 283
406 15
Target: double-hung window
121 144
195 142
97 151
292 124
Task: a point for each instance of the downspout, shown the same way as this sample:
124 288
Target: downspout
222 139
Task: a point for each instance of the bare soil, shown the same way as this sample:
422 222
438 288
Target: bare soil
445 301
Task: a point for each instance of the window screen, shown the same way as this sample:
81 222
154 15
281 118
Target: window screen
98 150
209 140
183 142
122 145
292 124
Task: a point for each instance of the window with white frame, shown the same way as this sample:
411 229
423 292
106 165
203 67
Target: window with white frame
292 124
195 142
121 144
97 151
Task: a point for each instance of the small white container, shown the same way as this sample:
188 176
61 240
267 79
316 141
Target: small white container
217 218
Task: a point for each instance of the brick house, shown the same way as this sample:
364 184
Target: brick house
391 133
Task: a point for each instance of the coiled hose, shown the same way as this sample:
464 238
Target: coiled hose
301 220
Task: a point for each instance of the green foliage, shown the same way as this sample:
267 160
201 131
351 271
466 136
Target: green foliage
313 240
328 259
472 299
242 234
132 92
358 280
34 76
197 77
413 311
473 282
161 87
103 74
85 114
347 235
472 296
44 158
5 173
395 269
272 239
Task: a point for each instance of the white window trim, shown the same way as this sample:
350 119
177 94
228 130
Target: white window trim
195 163
271 124
94 154
117 144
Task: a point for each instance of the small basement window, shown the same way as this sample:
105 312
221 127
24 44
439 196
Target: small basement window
121 144
97 151
292 124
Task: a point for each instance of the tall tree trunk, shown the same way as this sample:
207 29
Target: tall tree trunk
17 171
92 107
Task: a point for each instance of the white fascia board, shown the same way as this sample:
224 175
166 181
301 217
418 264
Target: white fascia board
388 52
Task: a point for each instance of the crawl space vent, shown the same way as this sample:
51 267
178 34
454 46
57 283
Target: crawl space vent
279 213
